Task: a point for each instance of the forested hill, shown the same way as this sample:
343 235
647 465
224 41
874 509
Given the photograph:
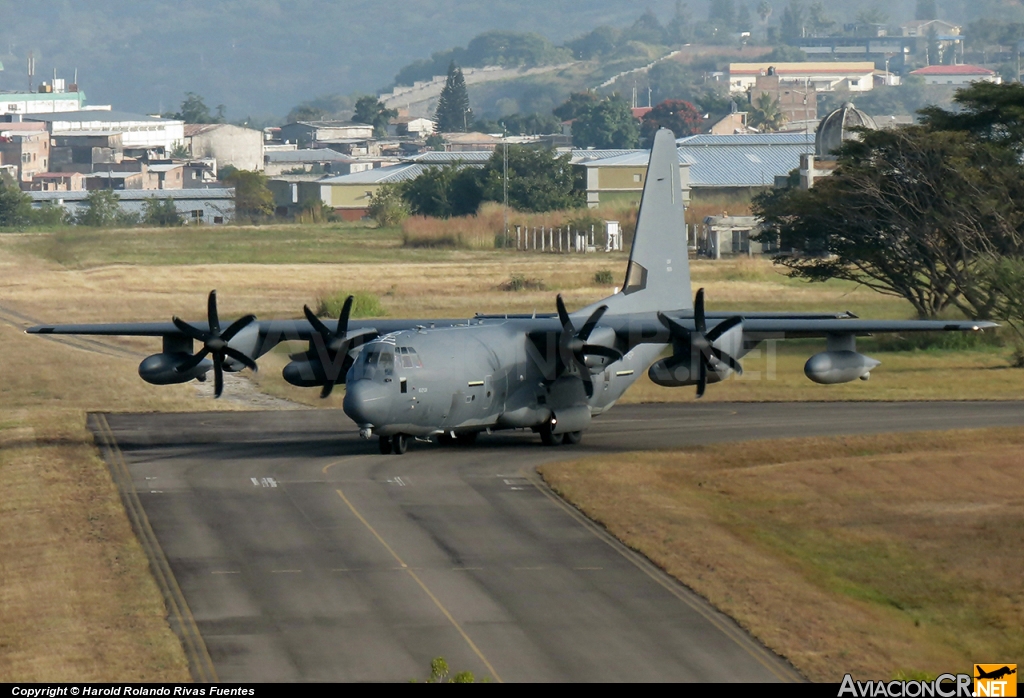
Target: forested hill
262 57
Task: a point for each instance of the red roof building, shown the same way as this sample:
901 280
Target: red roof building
956 74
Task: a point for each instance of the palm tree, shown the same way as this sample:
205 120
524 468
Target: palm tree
767 116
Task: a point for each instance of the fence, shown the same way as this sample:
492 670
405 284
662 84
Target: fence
563 240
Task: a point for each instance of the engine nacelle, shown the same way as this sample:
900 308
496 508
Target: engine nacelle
667 375
161 369
576 418
831 367
308 373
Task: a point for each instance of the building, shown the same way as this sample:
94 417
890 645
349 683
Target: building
26 147
618 177
892 49
309 134
210 206
473 140
741 162
797 102
140 135
925 27
956 75
833 130
87 151
169 175
57 181
415 126
241 148
55 97
315 161
826 76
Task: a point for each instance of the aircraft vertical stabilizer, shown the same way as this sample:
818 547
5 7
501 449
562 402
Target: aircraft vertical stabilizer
658 275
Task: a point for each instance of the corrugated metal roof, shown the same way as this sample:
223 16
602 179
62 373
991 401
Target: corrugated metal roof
438 156
386 175
752 165
746 139
138 194
98 116
308 155
580 155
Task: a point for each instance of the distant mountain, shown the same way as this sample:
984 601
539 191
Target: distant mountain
262 57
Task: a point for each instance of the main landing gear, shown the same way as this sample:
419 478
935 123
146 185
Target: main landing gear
397 444
570 438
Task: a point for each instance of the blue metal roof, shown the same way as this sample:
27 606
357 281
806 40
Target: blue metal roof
754 163
746 139
443 157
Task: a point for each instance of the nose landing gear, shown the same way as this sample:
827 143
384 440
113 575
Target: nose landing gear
397 444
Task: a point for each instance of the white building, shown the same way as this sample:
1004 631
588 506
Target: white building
956 74
138 132
855 76
55 97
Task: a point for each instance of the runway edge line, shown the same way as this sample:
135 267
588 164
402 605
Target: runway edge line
179 616
774 663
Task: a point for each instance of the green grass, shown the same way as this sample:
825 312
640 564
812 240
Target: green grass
364 305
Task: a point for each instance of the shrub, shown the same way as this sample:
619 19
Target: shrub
364 305
604 277
387 207
518 282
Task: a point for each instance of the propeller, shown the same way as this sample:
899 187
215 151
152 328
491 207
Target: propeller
702 342
335 343
572 345
215 343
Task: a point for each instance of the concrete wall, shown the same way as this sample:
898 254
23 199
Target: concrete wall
230 145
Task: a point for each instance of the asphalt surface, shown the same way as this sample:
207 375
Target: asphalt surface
289 549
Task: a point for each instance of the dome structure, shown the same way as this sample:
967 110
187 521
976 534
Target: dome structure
835 128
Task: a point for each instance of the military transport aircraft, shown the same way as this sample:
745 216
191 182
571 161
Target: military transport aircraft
551 373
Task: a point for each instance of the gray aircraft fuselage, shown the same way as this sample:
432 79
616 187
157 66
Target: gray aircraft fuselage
471 378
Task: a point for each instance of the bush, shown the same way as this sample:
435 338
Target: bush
518 282
161 212
364 305
604 277
387 207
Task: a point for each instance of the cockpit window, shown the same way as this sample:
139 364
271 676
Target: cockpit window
408 357
375 362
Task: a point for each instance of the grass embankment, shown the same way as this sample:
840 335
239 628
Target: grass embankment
874 555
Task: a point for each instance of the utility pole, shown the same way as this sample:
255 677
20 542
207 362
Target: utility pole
504 140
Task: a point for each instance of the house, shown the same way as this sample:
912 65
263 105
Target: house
86 151
735 122
925 27
797 102
26 146
309 134
824 76
57 181
956 74
474 140
618 176
316 161
140 134
119 180
210 206
170 175
239 147
416 126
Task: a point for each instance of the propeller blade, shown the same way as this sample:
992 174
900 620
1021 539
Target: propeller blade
326 390
563 315
727 360
698 312
591 323
316 322
193 361
599 350
211 313
343 318
675 330
242 358
702 380
189 331
237 326
218 375
723 327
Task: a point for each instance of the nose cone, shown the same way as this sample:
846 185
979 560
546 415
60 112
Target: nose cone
367 403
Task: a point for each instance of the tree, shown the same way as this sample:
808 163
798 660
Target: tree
453 112
607 124
577 103
989 112
161 212
681 117
15 207
764 11
443 192
387 207
925 9
744 22
821 23
180 151
253 199
370 110
908 212
766 116
440 673
793 21
538 179
102 209
646 29
722 13
194 111
679 30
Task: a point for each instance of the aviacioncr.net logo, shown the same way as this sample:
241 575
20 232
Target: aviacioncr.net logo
945 686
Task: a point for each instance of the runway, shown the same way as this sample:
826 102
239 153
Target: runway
288 549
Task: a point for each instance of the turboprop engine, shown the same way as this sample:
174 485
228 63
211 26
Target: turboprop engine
840 363
163 369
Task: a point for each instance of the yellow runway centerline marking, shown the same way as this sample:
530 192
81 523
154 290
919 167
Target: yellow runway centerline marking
426 590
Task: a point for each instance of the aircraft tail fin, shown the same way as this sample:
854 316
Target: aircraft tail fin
658 275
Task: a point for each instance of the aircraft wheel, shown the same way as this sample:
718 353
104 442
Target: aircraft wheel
467 438
385 445
572 438
399 443
546 437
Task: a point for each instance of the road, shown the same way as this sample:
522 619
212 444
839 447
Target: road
290 550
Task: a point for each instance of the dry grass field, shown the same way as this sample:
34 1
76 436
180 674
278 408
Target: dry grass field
76 597
875 555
